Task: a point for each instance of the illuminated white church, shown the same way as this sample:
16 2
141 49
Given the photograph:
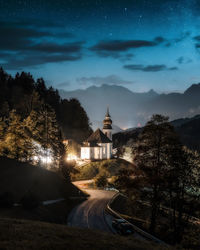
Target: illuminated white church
99 145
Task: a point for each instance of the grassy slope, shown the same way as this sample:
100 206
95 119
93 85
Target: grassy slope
54 213
112 167
20 178
19 234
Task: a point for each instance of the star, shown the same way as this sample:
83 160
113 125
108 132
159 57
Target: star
140 17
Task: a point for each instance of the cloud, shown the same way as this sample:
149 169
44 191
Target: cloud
113 46
97 80
23 46
148 68
197 47
116 55
40 23
17 38
182 36
183 60
51 28
121 45
23 36
117 48
196 38
159 39
173 68
28 60
169 42
18 62
58 48
63 85
180 60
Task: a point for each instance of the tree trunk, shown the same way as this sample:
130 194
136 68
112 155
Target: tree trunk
154 211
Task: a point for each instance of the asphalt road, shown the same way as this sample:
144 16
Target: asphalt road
90 213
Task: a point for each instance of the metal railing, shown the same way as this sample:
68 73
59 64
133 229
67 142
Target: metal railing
137 229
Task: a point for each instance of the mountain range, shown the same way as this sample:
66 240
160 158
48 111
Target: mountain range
131 109
188 130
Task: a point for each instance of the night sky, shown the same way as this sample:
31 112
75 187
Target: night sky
75 44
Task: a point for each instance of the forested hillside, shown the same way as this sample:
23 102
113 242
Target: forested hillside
186 128
34 119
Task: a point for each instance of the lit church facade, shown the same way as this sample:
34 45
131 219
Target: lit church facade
99 145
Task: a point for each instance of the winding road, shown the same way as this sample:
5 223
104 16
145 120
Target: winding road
90 213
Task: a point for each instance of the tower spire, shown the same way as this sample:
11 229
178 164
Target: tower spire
107 125
107 113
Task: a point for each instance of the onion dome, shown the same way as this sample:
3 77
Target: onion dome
107 122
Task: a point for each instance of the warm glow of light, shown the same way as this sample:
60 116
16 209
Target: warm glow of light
127 155
47 159
43 155
71 157
35 158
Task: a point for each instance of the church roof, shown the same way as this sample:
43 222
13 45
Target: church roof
98 137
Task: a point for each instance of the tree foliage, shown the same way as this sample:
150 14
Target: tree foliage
33 117
165 175
101 180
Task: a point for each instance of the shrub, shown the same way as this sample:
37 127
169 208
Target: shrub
92 169
101 180
30 201
112 181
86 172
6 199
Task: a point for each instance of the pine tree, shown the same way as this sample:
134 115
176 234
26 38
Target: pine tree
3 127
31 102
156 147
183 185
15 142
42 127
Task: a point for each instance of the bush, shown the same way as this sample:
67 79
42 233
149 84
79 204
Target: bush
101 180
112 181
92 169
68 170
30 201
87 172
6 199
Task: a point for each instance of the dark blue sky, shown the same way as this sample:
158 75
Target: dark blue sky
74 44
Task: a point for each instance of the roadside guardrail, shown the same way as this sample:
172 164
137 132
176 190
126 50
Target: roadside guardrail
137 229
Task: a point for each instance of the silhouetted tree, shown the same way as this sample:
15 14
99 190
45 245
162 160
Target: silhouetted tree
163 173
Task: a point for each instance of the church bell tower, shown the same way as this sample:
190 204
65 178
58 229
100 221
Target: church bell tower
107 125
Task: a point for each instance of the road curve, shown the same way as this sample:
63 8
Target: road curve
90 213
